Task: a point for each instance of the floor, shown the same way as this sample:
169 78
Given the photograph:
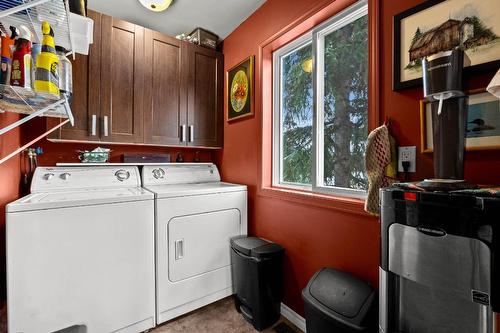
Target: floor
219 317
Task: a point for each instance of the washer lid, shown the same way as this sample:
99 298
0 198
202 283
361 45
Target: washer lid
63 199
182 190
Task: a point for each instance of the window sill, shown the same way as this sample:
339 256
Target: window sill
341 203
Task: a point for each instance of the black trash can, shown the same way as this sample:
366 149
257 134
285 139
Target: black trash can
257 279
336 301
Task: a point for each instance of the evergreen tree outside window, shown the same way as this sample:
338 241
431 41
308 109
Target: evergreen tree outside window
321 107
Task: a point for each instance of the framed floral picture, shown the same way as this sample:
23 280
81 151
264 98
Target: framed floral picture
441 25
483 123
240 90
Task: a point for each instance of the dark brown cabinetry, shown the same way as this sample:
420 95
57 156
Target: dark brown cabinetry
122 79
205 88
85 105
165 93
140 86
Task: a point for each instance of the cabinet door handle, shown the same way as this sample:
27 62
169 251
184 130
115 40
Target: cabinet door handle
183 133
191 133
106 132
93 131
179 249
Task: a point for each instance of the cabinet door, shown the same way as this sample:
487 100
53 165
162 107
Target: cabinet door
205 90
122 81
85 105
165 95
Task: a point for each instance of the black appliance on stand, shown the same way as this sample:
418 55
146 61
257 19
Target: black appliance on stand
440 243
442 77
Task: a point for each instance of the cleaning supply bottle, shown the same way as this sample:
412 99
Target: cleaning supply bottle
21 57
47 77
36 49
65 74
5 68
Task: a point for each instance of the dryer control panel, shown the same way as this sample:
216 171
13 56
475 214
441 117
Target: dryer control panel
179 174
47 179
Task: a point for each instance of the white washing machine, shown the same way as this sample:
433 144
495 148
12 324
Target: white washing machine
196 216
80 253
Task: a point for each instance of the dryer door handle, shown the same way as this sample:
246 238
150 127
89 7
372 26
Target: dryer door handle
179 249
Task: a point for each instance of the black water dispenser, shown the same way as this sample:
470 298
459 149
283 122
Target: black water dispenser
440 262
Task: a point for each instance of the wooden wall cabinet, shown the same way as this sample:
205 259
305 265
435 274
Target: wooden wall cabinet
165 93
205 97
85 105
122 79
139 86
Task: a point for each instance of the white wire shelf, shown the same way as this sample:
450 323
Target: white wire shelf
31 13
33 104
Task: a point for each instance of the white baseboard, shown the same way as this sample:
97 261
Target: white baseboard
293 317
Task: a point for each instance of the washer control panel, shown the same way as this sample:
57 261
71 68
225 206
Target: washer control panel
67 178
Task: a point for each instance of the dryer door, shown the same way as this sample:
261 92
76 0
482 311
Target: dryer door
199 243
193 265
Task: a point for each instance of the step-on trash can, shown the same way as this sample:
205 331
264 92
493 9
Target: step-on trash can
257 279
336 301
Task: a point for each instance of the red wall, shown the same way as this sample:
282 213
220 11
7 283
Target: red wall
314 236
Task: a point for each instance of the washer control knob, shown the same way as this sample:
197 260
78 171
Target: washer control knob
122 175
48 176
65 176
159 173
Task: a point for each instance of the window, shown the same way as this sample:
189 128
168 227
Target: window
320 94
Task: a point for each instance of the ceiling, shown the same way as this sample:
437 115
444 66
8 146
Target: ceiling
218 16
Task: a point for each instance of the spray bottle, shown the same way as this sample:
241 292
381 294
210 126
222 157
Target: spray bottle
21 58
7 44
47 77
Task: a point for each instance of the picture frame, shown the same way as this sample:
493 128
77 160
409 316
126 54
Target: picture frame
473 24
483 123
240 90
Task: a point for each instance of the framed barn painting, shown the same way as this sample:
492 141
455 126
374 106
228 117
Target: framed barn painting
240 90
441 25
483 123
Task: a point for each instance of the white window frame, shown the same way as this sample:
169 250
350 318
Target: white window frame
278 55
316 37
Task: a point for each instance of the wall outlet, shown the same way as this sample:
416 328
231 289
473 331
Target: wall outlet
407 154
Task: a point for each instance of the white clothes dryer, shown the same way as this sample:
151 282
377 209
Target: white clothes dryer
195 218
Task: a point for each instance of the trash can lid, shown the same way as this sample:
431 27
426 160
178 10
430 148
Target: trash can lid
340 294
255 247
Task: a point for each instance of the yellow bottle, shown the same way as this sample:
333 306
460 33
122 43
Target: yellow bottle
46 76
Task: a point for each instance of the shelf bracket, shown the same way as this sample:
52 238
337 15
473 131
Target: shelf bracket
20 149
39 113
67 108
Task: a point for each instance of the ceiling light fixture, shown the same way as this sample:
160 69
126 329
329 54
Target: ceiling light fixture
156 5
